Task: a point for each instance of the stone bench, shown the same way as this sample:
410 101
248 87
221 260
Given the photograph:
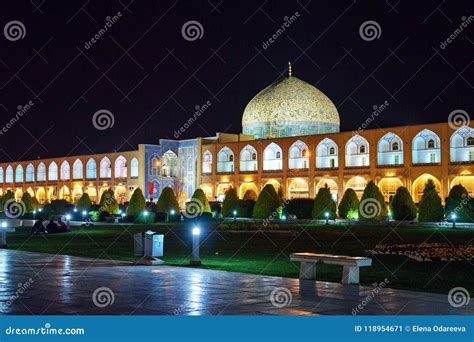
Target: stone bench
350 271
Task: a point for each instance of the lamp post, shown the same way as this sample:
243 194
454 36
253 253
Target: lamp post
172 212
327 217
196 260
453 218
235 215
34 215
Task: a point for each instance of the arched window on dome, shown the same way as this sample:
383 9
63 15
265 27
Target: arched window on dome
461 145
207 162
426 148
298 156
357 152
248 159
326 155
272 157
225 160
389 151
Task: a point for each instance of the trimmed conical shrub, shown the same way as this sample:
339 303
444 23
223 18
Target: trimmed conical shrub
201 204
323 203
137 203
167 201
108 203
458 204
250 195
372 204
84 202
267 204
26 199
402 206
349 206
431 207
230 203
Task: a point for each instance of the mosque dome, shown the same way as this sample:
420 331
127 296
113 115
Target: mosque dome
289 107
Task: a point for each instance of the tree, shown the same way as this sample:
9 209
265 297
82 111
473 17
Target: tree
108 203
84 202
167 201
199 204
349 206
35 204
402 205
137 203
5 198
324 204
430 208
372 204
250 195
268 203
230 203
26 200
458 204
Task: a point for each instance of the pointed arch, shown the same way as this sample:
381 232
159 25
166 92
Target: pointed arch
65 173
272 157
170 164
298 188
298 155
30 173
207 162
105 168
390 150
419 185
91 169
426 148
225 160
19 174
357 152
41 172
77 169
120 167
1 175
248 159
53 171
327 154
134 168
9 174
461 145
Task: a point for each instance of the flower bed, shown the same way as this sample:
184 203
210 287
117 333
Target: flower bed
427 251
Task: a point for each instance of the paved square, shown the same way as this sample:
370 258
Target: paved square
66 285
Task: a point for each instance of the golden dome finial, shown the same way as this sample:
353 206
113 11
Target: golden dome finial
289 69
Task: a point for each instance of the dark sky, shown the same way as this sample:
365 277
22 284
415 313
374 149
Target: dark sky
150 78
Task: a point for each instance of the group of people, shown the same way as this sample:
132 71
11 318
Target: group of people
50 228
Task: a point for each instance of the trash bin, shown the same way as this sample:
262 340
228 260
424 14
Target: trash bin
148 244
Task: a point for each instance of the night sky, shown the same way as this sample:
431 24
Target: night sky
151 78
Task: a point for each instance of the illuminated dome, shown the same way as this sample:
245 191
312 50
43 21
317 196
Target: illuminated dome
289 107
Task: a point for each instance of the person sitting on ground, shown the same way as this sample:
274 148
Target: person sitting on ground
52 227
62 227
38 227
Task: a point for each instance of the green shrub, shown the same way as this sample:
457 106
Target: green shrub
458 203
84 203
372 204
430 208
250 195
5 198
324 204
198 204
402 205
35 204
108 202
349 206
137 203
58 207
230 203
300 207
167 201
245 208
26 199
268 203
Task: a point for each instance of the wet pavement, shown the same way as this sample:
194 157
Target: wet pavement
44 284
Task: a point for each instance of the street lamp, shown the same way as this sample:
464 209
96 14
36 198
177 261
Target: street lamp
235 214
283 217
453 218
75 210
34 214
326 214
196 260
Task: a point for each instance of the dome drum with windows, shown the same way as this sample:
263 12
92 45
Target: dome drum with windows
289 107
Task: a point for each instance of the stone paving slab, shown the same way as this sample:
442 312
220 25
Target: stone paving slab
65 285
